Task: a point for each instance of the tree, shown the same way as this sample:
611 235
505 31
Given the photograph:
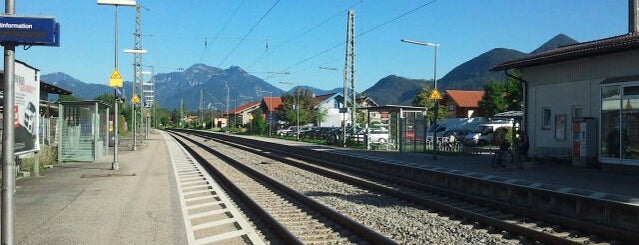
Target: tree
422 99
258 124
319 116
301 98
514 92
69 97
108 98
493 101
500 96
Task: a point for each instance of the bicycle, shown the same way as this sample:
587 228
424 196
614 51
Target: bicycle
503 157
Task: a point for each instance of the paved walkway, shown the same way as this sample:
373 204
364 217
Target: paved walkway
87 203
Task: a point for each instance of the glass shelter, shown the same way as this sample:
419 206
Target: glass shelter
84 131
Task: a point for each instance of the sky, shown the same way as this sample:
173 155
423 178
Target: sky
286 41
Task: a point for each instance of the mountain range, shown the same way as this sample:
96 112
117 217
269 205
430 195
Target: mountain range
211 83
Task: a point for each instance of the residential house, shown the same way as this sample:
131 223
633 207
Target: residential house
241 114
329 105
462 103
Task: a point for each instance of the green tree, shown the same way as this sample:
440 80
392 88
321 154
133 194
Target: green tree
69 97
422 99
319 116
107 98
258 124
514 92
493 101
301 98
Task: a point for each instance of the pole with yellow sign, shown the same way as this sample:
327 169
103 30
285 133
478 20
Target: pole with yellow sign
115 81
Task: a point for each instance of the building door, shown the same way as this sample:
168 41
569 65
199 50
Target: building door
620 123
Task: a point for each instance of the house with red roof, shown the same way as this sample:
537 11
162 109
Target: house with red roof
241 115
462 103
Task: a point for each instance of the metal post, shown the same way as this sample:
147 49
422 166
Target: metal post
134 117
297 116
436 110
115 165
8 137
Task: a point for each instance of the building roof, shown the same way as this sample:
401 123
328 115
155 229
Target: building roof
244 107
465 98
322 98
570 52
52 89
272 103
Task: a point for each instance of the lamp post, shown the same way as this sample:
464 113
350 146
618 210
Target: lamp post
135 53
296 106
436 109
131 3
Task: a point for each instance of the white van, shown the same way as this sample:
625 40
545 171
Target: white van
483 134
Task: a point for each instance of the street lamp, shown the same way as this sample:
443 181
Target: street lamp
436 109
131 3
135 53
296 106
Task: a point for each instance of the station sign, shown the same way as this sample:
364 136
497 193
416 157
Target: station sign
39 31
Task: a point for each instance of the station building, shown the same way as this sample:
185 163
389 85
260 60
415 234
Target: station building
595 81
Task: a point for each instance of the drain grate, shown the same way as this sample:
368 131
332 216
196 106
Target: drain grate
107 175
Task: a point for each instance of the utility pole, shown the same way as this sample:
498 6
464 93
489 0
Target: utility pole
201 117
181 111
349 75
228 100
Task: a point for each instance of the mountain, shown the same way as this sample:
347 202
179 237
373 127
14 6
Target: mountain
395 90
557 41
474 74
86 91
317 91
175 87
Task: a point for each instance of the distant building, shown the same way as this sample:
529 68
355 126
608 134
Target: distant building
597 79
241 114
462 103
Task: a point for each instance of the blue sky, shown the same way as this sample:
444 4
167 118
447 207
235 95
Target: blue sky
175 33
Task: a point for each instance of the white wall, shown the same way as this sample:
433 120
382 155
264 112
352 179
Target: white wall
561 86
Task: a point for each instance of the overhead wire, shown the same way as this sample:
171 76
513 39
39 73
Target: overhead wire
226 24
361 34
249 32
304 33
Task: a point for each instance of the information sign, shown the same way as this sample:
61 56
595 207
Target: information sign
29 30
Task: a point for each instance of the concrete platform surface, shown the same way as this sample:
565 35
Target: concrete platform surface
88 203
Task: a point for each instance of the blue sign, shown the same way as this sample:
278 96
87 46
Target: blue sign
29 30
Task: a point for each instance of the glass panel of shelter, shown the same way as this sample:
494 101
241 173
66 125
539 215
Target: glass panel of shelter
620 123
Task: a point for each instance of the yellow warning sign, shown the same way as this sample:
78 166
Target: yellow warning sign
435 95
116 79
135 99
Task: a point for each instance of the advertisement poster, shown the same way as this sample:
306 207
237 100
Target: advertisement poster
26 109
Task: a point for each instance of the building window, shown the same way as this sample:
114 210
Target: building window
545 118
451 107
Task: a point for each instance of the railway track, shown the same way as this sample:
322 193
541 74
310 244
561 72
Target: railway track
496 219
293 217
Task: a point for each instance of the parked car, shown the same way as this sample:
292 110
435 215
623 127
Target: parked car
456 134
483 135
377 135
284 131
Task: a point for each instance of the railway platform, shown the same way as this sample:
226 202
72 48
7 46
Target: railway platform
88 203
597 181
